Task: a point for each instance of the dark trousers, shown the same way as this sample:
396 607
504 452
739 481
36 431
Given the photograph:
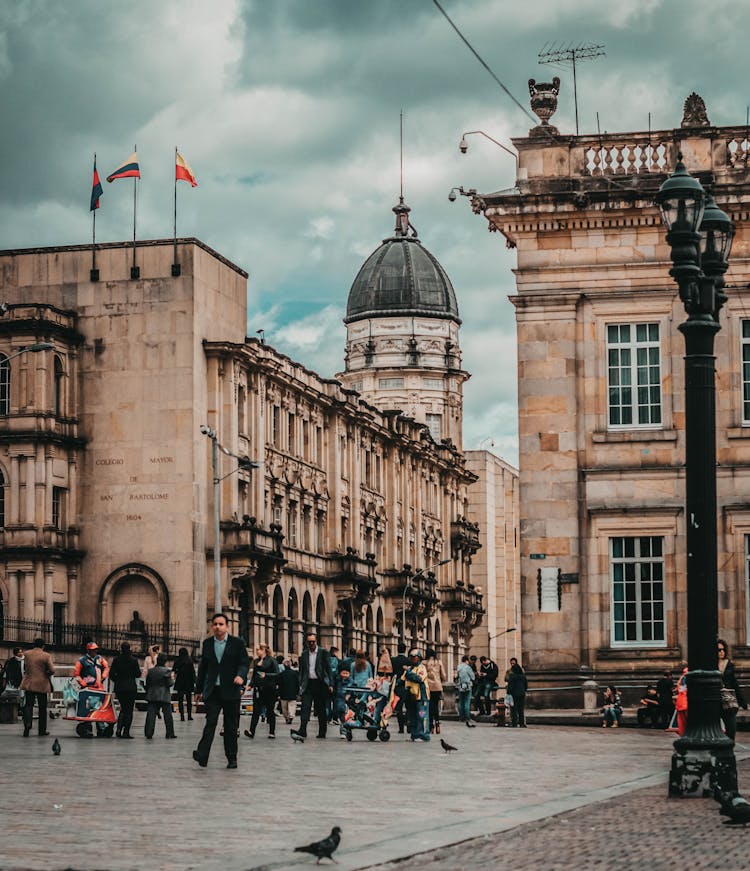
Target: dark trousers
231 709
648 714
125 720
187 696
315 696
517 711
400 710
166 710
28 711
435 699
264 697
665 714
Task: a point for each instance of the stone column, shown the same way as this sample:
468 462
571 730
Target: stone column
30 491
39 591
48 592
14 515
28 594
72 594
13 594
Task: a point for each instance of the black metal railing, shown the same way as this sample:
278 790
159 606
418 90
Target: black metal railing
75 636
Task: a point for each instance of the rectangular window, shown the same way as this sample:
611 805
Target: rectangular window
389 383
434 422
637 575
746 372
433 382
4 385
633 375
292 525
275 426
357 385
58 504
292 434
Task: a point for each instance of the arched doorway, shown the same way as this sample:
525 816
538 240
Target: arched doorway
292 611
320 610
278 620
307 611
134 588
347 623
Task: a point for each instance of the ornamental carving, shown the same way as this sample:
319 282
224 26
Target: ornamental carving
694 112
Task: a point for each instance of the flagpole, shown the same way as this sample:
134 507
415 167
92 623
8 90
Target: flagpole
135 271
94 274
175 264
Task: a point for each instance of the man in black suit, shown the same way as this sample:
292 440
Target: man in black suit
316 684
222 674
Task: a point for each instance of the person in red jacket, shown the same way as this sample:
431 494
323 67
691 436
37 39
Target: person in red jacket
92 669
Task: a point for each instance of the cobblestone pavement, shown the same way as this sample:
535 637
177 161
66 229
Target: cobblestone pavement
109 805
640 830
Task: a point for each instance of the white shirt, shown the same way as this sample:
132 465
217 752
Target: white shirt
313 658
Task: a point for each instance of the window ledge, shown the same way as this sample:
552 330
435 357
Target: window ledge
635 435
738 432
631 653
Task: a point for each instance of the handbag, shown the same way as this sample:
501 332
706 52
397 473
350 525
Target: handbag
729 700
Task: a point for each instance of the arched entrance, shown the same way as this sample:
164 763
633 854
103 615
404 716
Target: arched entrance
133 588
278 620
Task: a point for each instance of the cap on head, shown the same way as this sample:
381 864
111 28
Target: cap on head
92 645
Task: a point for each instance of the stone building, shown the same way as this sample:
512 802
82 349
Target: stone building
601 396
106 478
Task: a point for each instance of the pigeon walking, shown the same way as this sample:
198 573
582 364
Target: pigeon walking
734 806
447 747
297 738
56 748
323 849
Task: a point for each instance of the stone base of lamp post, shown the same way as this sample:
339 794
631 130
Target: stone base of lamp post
703 763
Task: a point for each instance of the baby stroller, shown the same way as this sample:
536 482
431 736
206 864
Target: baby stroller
87 706
365 709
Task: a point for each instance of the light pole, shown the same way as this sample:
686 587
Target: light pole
407 586
491 638
32 349
463 145
700 236
242 463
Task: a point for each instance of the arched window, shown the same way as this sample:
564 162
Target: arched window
438 639
320 610
2 500
241 421
379 621
58 394
4 385
307 611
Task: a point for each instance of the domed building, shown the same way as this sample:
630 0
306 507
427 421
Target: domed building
402 322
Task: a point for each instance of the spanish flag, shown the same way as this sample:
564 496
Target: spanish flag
129 169
182 171
96 189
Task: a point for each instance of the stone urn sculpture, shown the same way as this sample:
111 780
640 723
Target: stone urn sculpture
544 103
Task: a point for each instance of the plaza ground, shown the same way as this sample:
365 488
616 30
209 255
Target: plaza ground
115 805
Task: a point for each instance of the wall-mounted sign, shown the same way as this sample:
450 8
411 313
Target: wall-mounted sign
549 589
537 556
569 578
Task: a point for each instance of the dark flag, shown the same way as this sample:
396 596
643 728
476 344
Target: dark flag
96 190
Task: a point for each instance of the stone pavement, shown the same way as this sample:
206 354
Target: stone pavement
109 805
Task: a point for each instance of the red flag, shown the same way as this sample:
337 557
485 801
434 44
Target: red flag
182 171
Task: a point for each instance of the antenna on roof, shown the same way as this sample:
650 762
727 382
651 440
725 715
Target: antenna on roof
401 153
570 54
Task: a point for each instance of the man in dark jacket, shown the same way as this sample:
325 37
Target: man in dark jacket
159 697
222 674
399 663
664 690
123 673
288 690
316 684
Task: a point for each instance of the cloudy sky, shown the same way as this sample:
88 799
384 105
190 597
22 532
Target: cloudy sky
288 112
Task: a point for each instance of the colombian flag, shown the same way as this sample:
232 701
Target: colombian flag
129 169
96 190
182 171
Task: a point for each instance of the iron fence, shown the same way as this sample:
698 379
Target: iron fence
75 636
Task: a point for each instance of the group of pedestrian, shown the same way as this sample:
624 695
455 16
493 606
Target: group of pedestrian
475 683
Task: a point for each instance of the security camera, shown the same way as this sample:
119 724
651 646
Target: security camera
452 196
205 429
463 145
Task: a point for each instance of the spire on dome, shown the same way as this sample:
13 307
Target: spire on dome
403 224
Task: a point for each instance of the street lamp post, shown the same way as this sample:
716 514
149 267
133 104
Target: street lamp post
407 586
33 349
242 463
700 237
491 638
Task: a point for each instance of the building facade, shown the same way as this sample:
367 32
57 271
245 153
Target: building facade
107 496
601 397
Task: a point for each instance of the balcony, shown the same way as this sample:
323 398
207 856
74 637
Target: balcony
462 603
353 576
253 553
464 538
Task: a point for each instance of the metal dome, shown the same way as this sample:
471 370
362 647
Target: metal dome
401 277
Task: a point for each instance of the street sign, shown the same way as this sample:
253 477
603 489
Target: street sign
537 556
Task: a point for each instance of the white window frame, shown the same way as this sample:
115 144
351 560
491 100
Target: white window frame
745 370
638 560
633 345
435 421
390 383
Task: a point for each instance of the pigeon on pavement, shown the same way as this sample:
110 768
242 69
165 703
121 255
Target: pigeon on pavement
323 849
56 748
446 746
734 806
297 737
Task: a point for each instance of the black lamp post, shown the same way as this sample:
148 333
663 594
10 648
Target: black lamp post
700 236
